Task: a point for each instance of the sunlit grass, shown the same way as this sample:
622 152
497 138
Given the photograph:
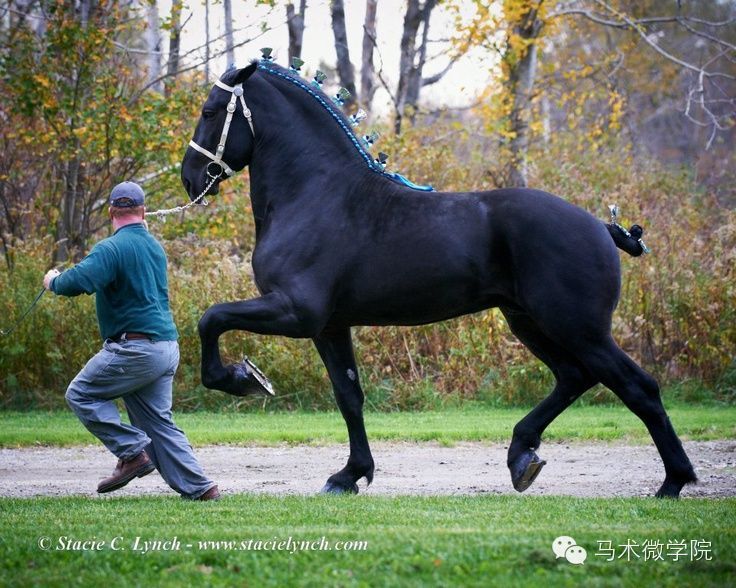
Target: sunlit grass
605 423
409 541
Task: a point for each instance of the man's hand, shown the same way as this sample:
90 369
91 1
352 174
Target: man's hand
50 275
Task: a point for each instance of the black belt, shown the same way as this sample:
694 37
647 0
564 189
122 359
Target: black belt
131 337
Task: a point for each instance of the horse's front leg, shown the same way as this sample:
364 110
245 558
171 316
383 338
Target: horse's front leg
271 314
336 349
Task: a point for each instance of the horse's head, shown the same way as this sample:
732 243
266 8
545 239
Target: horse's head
223 139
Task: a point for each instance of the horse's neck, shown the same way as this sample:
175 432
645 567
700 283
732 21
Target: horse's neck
301 152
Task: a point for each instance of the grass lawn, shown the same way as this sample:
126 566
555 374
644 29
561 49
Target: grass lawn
469 424
256 540
408 541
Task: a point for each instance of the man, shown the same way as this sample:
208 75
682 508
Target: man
139 357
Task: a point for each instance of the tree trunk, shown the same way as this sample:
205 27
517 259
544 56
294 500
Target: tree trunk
412 18
522 71
367 70
207 41
410 68
345 69
84 9
71 242
153 44
172 67
70 236
295 24
229 51
415 75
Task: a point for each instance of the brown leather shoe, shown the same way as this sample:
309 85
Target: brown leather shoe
125 471
211 494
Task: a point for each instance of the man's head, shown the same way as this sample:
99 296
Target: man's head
127 203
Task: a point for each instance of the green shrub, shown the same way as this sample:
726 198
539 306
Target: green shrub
676 314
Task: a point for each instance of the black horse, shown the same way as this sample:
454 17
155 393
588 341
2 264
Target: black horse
340 242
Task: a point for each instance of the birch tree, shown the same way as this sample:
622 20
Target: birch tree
172 65
229 42
153 44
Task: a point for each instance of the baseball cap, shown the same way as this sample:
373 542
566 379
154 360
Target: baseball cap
126 195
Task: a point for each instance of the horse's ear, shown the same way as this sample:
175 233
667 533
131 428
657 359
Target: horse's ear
245 73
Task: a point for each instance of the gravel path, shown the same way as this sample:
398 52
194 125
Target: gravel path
573 469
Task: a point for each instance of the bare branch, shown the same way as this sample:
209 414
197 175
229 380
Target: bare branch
643 22
667 55
379 73
595 17
449 109
191 51
26 14
433 79
705 35
696 95
639 21
699 109
709 23
194 65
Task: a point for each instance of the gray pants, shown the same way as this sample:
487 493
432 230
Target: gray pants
141 373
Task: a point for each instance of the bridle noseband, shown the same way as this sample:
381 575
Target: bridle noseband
237 92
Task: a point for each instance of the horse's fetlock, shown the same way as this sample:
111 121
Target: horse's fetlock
369 475
527 436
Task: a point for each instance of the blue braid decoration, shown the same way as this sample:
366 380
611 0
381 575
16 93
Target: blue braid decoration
373 166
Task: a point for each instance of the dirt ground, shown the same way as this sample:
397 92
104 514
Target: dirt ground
573 469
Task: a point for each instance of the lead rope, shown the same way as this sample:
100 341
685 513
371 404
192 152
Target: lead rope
6 332
161 214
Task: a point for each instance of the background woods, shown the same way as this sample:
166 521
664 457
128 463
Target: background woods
597 101
76 118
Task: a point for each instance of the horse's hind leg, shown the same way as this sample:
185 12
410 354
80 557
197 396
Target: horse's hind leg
640 393
572 379
336 349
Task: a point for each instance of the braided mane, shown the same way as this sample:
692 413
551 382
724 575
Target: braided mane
271 68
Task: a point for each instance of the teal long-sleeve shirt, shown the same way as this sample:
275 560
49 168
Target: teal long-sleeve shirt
127 274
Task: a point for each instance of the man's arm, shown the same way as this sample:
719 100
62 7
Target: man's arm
90 275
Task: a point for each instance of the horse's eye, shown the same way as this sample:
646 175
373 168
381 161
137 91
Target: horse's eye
208 113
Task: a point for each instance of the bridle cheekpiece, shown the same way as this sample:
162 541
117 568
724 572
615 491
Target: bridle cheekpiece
216 157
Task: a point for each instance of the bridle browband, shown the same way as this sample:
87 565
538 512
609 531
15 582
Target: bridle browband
216 157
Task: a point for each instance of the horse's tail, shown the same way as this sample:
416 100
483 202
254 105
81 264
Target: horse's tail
629 241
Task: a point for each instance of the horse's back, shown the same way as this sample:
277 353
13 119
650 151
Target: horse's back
433 256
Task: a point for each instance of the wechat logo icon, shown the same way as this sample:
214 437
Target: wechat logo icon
566 547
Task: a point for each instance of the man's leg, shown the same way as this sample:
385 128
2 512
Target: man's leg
150 409
91 396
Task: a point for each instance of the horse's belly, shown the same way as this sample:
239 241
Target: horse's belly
417 305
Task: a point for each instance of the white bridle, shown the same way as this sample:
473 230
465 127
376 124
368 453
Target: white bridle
216 157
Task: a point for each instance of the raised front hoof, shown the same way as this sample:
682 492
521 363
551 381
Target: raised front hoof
242 379
672 488
525 470
335 488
